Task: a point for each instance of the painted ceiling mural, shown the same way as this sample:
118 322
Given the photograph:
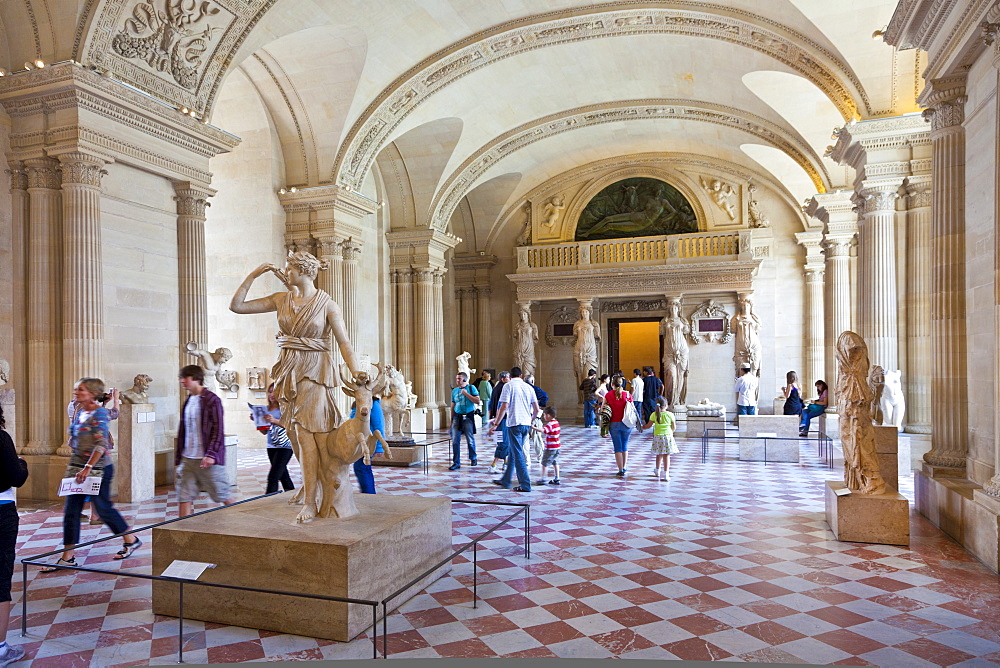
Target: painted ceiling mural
636 207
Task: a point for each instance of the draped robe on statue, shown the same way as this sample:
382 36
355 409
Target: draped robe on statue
305 378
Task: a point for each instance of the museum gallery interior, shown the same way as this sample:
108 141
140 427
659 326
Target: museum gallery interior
563 186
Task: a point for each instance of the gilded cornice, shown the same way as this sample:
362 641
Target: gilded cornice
372 129
463 179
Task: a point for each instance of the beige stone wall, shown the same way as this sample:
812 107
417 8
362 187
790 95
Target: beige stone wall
980 248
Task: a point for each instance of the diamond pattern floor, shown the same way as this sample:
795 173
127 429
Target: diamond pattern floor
728 561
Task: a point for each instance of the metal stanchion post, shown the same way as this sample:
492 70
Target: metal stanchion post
385 632
475 575
24 601
374 630
180 622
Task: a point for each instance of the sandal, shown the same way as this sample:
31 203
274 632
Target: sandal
59 564
127 550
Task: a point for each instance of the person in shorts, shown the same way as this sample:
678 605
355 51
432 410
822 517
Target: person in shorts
550 455
201 452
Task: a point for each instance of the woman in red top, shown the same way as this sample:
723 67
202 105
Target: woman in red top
617 399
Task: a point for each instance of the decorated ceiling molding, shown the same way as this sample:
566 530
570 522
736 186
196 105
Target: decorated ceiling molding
176 50
465 177
817 64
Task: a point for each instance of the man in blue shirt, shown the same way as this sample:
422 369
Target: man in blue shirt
464 399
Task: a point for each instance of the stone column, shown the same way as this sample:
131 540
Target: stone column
424 376
483 293
403 282
814 340
83 285
192 293
877 279
467 324
441 370
19 227
46 397
838 298
351 252
918 308
949 422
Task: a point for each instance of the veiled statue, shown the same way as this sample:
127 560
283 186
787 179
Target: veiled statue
587 333
854 400
746 327
306 379
525 338
674 329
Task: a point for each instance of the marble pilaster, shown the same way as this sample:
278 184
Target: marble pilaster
46 397
918 307
814 308
192 201
949 427
441 370
424 345
483 293
19 221
467 330
838 237
403 297
351 252
877 269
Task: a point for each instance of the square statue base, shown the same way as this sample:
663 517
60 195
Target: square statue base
883 519
403 455
257 544
783 447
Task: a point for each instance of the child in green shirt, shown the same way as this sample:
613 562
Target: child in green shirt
662 421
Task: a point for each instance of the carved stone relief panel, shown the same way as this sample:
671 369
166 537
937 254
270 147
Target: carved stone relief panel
710 324
634 306
559 328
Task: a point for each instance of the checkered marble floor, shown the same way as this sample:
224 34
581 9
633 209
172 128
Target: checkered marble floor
728 561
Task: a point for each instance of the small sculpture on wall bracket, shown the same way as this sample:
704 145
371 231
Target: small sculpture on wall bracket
463 364
755 217
710 323
257 378
722 194
524 238
137 394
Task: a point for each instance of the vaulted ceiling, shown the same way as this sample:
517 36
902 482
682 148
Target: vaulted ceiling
494 98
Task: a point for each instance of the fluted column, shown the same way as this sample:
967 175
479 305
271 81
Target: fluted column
351 252
46 398
838 298
814 326
192 281
441 367
424 376
483 293
949 422
82 280
877 275
403 284
992 487
918 308
467 322
19 224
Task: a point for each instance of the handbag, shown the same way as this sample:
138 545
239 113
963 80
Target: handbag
631 417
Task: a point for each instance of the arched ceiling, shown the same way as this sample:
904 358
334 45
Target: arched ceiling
443 96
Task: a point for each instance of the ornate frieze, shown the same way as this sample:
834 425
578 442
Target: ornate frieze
824 68
634 306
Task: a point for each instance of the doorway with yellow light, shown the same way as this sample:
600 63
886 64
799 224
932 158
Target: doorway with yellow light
634 343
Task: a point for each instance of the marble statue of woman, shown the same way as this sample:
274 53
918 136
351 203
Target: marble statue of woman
525 337
746 327
674 329
305 378
210 362
587 333
854 400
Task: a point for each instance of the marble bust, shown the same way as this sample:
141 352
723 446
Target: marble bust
138 393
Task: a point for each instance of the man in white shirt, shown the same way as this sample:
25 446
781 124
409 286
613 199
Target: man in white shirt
637 396
519 405
746 390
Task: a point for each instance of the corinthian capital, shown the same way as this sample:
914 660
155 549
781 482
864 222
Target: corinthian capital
82 169
18 175
43 173
351 249
192 199
879 200
946 113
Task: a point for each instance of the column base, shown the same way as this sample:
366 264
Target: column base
44 475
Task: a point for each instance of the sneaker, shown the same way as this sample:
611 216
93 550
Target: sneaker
555 481
475 462
499 483
656 473
13 654
493 469
620 474
666 477
454 467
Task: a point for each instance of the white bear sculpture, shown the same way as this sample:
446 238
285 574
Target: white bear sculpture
893 404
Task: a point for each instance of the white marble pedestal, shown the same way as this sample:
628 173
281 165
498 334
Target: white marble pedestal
783 447
887 451
232 441
883 519
136 468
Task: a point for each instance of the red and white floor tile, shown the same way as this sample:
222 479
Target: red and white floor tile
729 560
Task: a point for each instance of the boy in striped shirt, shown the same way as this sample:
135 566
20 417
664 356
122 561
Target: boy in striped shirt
550 456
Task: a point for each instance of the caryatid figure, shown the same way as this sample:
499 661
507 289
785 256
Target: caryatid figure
746 327
587 333
674 329
525 338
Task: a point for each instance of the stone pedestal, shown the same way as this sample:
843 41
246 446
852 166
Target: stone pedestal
231 441
136 469
883 519
418 420
778 406
781 426
887 450
166 470
696 426
404 454
393 540
44 475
